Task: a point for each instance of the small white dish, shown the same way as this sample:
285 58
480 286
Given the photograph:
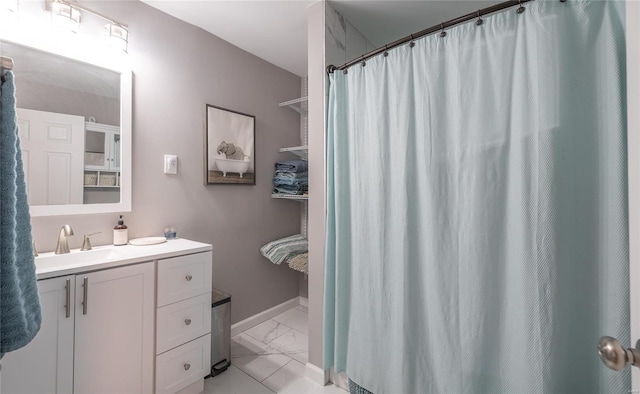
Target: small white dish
147 241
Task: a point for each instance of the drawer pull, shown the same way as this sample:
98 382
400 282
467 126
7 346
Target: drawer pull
188 277
187 321
187 366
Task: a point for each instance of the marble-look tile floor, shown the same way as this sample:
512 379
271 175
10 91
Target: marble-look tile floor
270 358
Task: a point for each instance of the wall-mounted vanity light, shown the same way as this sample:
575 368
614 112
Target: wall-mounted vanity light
117 35
67 14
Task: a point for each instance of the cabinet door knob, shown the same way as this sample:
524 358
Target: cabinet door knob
188 277
187 366
187 321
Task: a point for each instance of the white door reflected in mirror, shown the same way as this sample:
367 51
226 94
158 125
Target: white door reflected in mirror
52 147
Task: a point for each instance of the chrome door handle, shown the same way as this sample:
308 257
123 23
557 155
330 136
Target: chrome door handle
68 299
85 295
614 356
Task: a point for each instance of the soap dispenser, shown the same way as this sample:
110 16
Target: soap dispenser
120 233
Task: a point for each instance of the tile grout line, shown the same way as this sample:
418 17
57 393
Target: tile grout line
278 352
287 363
259 382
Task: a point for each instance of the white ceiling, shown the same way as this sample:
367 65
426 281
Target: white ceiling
276 30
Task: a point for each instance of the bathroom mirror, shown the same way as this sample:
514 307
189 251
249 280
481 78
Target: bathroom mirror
74 118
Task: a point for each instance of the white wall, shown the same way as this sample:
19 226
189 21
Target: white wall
339 40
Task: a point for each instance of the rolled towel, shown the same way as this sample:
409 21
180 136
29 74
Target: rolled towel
292 166
299 262
281 249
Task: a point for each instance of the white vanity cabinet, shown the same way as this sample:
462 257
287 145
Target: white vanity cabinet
119 319
101 156
46 364
183 322
102 147
96 336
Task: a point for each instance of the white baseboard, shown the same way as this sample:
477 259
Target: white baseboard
304 301
263 316
316 374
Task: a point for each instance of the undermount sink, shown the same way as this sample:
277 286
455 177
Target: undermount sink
78 257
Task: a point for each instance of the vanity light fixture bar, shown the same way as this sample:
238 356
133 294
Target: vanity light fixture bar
83 8
115 32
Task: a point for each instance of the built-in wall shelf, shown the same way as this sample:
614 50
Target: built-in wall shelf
293 105
101 179
301 151
297 197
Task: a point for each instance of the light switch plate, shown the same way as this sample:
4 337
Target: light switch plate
170 164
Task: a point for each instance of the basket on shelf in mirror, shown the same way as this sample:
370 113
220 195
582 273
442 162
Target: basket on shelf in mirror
107 179
90 179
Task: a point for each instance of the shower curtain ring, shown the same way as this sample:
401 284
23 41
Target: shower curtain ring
411 44
520 9
364 63
479 21
442 33
385 54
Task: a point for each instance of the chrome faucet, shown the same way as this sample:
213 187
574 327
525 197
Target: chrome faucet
63 245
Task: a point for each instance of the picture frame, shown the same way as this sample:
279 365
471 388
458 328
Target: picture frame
229 147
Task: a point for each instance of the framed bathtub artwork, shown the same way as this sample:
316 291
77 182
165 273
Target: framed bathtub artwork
229 147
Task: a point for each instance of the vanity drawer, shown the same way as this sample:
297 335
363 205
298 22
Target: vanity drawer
184 277
184 365
182 321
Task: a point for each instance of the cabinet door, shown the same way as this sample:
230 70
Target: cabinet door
114 330
45 365
102 147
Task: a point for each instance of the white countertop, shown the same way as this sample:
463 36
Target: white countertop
49 265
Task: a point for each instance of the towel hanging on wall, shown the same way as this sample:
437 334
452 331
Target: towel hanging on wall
20 314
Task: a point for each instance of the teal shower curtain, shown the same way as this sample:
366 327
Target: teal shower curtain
477 207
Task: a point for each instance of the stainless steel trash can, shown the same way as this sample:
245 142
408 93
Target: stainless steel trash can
220 332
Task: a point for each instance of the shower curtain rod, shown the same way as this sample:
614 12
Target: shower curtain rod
465 18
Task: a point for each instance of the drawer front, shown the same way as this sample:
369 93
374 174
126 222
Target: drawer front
182 322
184 365
184 277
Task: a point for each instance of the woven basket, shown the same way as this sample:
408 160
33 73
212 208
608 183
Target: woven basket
107 180
90 179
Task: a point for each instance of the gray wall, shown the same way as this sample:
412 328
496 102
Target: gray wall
177 69
43 97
